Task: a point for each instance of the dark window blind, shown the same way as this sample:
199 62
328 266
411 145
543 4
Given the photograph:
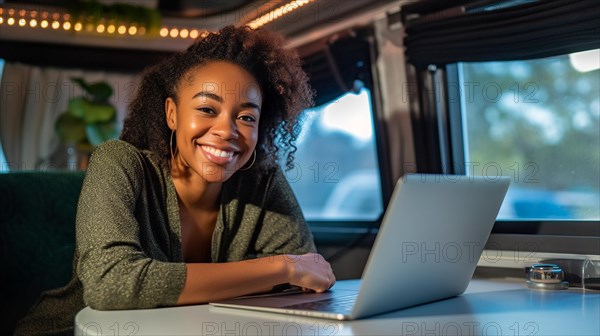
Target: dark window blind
336 65
442 32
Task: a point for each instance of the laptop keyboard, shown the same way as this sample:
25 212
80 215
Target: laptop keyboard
333 304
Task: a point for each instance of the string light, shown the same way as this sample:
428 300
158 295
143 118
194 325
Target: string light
21 17
164 32
277 13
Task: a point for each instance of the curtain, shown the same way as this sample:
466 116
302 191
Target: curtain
442 32
32 98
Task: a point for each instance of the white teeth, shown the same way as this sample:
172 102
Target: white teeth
218 152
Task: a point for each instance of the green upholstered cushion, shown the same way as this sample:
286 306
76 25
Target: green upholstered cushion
37 237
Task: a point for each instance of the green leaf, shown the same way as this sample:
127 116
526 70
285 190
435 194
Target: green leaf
78 106
70 129
96 113
100 91
100 132
81 83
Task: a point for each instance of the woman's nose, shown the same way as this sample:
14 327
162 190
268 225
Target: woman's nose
225 127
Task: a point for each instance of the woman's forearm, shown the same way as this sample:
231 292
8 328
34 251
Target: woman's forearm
209 282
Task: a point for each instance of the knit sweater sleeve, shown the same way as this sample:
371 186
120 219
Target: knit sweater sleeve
284 230
113 267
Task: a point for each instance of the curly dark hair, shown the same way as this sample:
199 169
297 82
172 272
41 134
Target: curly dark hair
284 85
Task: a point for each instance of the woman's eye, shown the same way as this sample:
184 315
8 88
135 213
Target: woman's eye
206 110
247 118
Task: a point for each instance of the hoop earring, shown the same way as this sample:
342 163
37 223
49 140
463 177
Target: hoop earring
253 160
171 145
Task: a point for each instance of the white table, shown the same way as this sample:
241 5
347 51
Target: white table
488 307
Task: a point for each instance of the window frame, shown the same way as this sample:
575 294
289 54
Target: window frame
361 232
533 236
333 232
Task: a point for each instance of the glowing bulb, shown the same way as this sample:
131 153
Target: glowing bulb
1 20
111 29
10 21
22 22
78 26
174 32
132 30
164 32
44 24
55 25
67 25
100 29
184 33
122 30
33 23
194 34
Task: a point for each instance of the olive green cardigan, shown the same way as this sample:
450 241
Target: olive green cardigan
128 252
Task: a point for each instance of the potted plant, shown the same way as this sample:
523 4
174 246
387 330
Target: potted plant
89 120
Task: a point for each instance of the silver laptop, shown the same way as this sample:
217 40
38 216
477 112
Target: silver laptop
427 248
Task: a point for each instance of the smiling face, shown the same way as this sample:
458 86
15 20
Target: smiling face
215 117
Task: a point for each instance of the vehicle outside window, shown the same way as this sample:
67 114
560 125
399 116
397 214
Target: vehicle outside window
538 122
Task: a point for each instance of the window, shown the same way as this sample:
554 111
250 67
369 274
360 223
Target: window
501 90
336 176
537 121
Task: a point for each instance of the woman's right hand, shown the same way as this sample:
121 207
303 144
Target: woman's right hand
310 271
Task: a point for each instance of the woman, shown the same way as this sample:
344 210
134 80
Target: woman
190 205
